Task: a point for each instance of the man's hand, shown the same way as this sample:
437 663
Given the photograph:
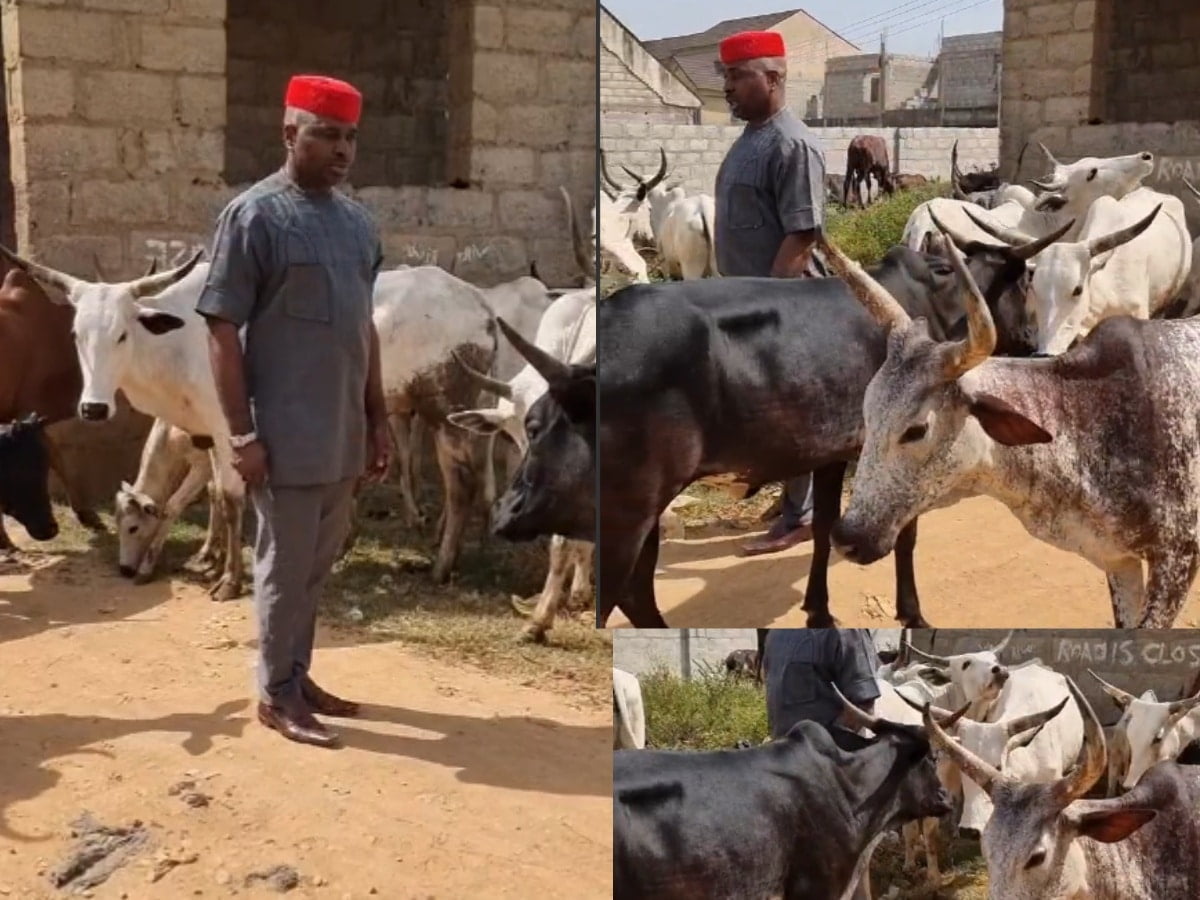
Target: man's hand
251 463
381 451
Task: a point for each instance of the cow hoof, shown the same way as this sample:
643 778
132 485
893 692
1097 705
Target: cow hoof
521 606
89 518
532 634
143 577
224 591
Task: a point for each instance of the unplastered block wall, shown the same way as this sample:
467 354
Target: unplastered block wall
694 152
968 70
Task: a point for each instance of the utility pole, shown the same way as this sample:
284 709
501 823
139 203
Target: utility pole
941 83
883 75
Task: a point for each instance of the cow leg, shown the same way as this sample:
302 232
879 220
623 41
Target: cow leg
455 459
908 604
233 504
193 483
552 592
87 516
582 554
1126 589
624 554
931 829
910 831
489 482
846 187
827 500
211 556
402 427
1167 587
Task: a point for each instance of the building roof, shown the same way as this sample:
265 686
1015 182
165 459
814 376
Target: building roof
698 67
673 46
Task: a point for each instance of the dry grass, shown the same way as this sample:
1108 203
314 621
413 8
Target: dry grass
382 591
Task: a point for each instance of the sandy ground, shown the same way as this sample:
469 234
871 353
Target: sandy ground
976 567
454 784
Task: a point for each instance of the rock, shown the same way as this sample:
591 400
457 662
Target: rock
281 878
224 877
196 800
179 787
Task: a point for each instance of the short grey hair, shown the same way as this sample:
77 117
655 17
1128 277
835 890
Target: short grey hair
293 115
764 64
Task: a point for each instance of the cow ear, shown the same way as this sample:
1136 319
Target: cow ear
577 395
149 507
1111 825
158 322
1004 424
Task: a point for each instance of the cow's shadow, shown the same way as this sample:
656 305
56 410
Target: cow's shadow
495 750
32 742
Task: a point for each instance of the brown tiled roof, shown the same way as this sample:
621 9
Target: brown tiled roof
674 46
699 69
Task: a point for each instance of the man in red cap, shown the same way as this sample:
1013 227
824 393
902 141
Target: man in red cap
294 262
770 201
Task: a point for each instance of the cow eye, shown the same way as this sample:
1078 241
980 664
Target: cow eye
1092 174
121 339
133 529
915 433
966 664
1036 860
1078 290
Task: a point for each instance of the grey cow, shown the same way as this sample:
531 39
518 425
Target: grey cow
1095 451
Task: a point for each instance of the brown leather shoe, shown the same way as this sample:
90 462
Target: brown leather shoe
769 544
299 727
326 703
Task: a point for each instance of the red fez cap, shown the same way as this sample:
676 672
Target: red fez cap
751 45
325 97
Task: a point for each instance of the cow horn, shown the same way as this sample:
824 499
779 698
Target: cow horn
936 660
1048 185
152 268
1093 755
1033 248
607 176
62 281
1176 711
1096 246
1049 156
954 236
879 303
662 171
150 285
980 341
632 174
486 382
1014 237
1020 159
857 718
978 770
957 190
1120 697
578 242
944 717
1191 187
1004 643
533 272
1022 724
553 370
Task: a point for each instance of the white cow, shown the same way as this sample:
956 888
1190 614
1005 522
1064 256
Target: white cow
567 332
629 716
1191 291
1069 193
145 338
1131 257
614 240
1118 745
1156 731
979 677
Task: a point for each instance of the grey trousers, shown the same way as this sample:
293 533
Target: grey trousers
797 502
300 530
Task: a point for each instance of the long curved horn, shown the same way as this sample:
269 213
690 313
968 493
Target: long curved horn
1120 697
980 341
955 172
1016 726
662 171
958 239
1176 711
1020 159
957 191
1096 246
1014 237
944 717
578 242
879 303
486 382
1191 187
936 660
607 175
1049 156
152 268
150 285
1004 643
856 716
1048 185
978 770
634 175
1033 248
553 370
64 282
1093 755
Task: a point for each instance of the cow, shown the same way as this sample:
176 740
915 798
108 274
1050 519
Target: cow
1155 731
629 714
145 338
866 155
1188 302
1142 846
24 466
724 824
683 226
978 676
1068 195
553 491
567 332
1118 746
1132 257
985 188
39 373
743 664
1092 450
761 377
905 182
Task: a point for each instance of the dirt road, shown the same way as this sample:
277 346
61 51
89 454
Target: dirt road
976 567
455 783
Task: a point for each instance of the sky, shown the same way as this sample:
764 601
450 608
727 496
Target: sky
912 25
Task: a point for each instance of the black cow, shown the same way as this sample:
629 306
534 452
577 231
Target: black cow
553 490
789 819
742 664
762 377
24 468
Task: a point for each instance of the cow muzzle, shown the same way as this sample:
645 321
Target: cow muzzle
42 531
508 520
94 412
856 547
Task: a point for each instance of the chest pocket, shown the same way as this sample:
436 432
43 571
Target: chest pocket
799 684
307 293
743 198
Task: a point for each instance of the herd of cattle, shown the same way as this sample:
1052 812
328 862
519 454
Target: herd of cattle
1008 751
914 369
69 345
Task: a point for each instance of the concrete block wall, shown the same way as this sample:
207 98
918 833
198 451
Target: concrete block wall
694 152
847 83
968 71
636 87
1150 55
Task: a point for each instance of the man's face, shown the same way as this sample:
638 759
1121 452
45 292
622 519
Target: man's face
747 91
323 151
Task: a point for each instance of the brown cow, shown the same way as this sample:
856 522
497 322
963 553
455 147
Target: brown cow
39 371
867 155
908 182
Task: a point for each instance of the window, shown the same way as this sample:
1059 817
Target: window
874 88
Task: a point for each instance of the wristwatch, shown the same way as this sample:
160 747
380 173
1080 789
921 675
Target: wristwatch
238 441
